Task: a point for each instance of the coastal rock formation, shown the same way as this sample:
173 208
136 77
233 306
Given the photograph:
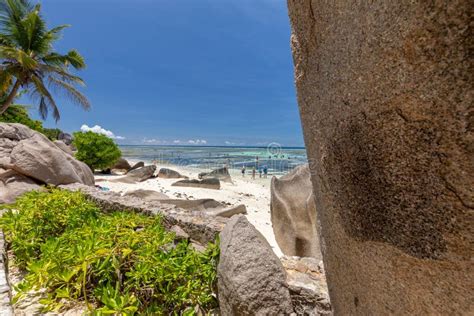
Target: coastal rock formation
121 165
222 174
211 183
293 214
139 175
147 195
385 96
228 211
139 164
199 205
307 284
251 278
31 154
65 138
13 184
169 174
63 147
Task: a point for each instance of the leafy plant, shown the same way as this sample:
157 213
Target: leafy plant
52 133
120 263
96 150
19 114
27 59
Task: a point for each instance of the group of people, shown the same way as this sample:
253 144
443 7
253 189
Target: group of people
263 170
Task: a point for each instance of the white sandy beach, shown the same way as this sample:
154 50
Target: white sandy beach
254 194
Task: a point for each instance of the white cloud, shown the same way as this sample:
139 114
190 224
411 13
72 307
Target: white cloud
177 141
197 141
228 143
151 141
99 130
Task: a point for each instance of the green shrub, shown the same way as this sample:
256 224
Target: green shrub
96 150
52 133
19 114
121 263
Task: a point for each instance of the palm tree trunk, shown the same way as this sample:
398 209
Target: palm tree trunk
10 97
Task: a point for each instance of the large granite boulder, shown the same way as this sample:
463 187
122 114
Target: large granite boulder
251 278
211 183
385 95
121 164
169 174
222 174
61 145
13 184
32 154
199 205
293 214
138 175
138 165
65 138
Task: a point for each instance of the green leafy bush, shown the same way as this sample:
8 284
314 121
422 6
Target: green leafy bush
96 150
121 263
19 114
52 133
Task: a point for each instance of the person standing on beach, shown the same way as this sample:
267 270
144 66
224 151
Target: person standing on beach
243 171
253 173
260 172
265 172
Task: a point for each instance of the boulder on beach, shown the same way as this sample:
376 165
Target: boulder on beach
138 175
13 184
169 174
65 138
32 154
222 174
228 211
211 183
293 214
147 195
200 205
121 164
139 164
251 278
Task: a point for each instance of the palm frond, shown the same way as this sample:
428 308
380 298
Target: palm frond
69 91
46 99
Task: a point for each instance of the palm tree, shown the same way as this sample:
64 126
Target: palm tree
27 59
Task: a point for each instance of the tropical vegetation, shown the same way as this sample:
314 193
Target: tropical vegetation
28 60
96 150
121 263
19 114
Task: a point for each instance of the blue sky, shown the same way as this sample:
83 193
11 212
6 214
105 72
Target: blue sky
182 71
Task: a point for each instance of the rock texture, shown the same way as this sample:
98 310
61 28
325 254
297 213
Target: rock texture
222 174
147 195
13 184
33 155
251 278
138 175
211 183
385 95
121 164
139 164
293 214
307 284
61 145
169 174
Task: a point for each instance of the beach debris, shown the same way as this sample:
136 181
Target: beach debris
222 174
251 278
293 214
208 183
169 174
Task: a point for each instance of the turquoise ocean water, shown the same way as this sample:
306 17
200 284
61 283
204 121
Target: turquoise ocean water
278 160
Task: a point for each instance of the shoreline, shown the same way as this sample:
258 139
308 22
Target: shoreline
254 194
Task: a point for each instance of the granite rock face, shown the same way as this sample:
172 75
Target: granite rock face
13 184
222 174
251 278
385 96
33 155
293 214
210 183
169 174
